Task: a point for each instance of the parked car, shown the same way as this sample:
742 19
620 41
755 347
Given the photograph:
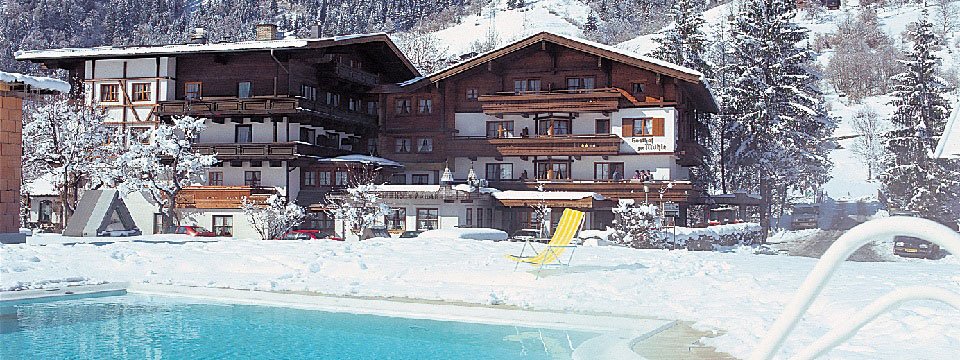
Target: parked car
410 234
375 232
192 230
308 234
805 216
528 235
908 246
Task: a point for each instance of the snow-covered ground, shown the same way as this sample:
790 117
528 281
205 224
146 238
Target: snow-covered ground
738 293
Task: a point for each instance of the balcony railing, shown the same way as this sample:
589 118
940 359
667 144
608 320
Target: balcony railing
690 154
265 151
679 191
355 75
573 145
221 197
586 100
262 106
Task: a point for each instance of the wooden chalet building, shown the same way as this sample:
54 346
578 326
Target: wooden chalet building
562 113
275 108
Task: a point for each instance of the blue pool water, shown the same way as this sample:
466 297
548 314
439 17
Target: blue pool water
161 327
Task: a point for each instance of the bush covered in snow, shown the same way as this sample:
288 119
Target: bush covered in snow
636 226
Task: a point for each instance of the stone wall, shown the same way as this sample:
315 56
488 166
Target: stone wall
11 124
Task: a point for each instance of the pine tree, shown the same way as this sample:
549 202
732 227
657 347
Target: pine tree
913 180
778 128
684 43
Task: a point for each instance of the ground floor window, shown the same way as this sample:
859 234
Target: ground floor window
427 219
158 223
489 218
320 221
223 225
45 214
479 217
396 219
469 218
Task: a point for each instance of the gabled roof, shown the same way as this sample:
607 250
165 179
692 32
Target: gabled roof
590 47
949 146
102 52
691 79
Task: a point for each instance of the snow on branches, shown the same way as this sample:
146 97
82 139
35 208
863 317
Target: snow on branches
164 162
274 218
637 225
359 206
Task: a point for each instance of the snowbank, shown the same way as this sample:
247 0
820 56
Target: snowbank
465 233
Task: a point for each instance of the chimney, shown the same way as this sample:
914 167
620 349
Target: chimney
198 36
266 32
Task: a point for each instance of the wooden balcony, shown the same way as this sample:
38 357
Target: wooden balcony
680 192
690 154
352 75
221 197
591 100
262 106
572 145
266 151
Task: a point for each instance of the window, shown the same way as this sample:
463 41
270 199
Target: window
354 104
403 106
643 127
243 89
608 171
323 178
256 163
223 225
499 172
425 145
473 94
141 92
499 129
109 92
479 217
342 178
308 135
526 85
158 223
193 90
420 179
553 127
403 145
215 178
308 92
426 106
396 219
45 214
427 219
547 170
580 83
251 178
243 134
309 178
469 218
321 221
398 179
637 90
490 218
603 126
333 99
236 163
372 107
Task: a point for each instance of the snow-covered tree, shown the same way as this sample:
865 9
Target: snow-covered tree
864 56
779 128
274 218
684 43
637 225
869 143
424 50
70 141
359 206
913 180
541 212
164 163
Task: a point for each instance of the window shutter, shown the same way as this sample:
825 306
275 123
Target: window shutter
627 127
658 129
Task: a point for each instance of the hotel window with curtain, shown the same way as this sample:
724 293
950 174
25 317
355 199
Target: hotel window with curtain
499 129
424 145
402 145
426 106
110 93
141 92
499 171
427 219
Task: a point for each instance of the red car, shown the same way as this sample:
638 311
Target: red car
309 235
191 230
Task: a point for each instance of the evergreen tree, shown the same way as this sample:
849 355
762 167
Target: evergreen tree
913 180
684 43
778 127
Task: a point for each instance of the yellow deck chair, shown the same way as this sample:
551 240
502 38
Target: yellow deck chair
569 226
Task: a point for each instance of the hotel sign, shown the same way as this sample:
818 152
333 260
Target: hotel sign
650 144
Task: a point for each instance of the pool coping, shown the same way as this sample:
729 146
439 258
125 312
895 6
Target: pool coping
616 339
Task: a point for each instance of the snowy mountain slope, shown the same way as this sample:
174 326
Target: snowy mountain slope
563 17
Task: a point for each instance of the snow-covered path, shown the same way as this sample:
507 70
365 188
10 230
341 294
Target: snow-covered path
739 293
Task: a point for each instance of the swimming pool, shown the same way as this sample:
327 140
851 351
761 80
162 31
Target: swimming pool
137 326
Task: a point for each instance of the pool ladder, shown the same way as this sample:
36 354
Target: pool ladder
831 259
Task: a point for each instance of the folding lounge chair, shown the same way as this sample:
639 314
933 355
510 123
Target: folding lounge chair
569 226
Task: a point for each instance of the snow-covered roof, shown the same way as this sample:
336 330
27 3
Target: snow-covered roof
545 195
37 82
415 188
442 73
363 159
41 186
949 146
